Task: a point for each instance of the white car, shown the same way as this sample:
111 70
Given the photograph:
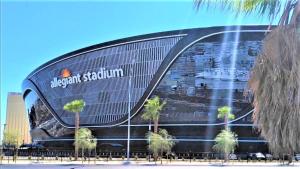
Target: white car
232 157
259 156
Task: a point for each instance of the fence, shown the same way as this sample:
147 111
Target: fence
68 155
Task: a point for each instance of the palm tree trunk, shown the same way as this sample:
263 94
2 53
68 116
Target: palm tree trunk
226 157
155 126
155 131
82 154
16 153
226 122
291 155
76 134
89 155
95 154
161 155
226 128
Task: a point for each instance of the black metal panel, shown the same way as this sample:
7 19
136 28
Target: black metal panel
101 79
42 122
141 91
197 35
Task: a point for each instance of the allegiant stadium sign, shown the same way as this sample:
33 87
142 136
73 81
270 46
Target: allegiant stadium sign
67 79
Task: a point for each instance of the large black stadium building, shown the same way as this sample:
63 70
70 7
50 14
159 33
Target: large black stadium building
194 70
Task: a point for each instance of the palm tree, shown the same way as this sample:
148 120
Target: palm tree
85 140
160 142
270 7
152 111
75 106
12 139
226 141
275 79
225 113
167 142
83 135
92 144
225 135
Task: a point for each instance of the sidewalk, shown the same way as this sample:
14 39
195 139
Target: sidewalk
145 163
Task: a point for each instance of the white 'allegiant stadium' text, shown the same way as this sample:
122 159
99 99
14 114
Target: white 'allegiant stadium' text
89 76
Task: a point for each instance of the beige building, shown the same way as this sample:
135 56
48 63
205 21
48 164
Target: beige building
16 118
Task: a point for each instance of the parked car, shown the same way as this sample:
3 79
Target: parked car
32 147
112 147
297 157
172 155
256 156
232 157
269 157
259 156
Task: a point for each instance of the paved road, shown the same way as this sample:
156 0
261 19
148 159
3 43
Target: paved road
148 166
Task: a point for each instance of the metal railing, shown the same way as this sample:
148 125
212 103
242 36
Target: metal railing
12 156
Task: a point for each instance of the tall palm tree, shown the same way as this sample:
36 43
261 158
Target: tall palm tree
275 79
75 106
225 113
225 138
152 111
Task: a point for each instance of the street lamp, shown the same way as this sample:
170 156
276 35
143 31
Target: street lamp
129 108
149 128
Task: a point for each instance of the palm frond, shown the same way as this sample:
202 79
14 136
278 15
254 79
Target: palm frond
275 82
225 142
225 111
85 139
160 142
152 108
75 106
271 8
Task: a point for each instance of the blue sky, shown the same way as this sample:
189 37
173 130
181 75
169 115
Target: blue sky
34 32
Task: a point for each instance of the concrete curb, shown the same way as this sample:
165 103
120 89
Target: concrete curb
147 163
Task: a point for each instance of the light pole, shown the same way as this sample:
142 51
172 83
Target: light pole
149 128
129 108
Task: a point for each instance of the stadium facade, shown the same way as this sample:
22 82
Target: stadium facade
194 70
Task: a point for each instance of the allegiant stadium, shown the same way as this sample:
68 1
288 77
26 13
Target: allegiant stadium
195 71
